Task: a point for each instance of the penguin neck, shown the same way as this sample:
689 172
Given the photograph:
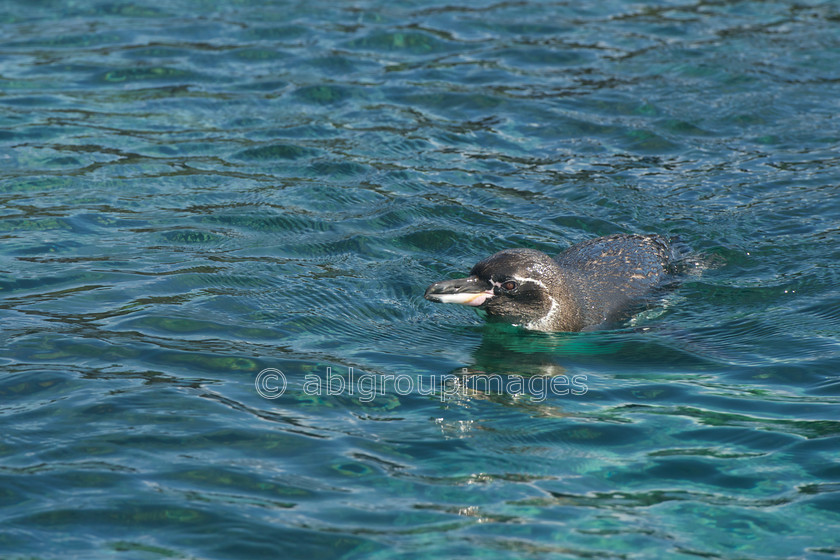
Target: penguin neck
565 312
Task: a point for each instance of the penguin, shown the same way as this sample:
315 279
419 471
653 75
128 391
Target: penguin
591 286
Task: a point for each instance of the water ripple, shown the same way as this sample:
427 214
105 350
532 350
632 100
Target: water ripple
191 195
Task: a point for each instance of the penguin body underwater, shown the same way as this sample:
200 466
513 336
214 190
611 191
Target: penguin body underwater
589 286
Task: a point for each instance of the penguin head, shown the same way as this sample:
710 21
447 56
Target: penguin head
514 285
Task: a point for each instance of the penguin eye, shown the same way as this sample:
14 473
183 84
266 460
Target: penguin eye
510 285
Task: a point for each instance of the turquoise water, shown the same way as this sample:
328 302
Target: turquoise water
195 192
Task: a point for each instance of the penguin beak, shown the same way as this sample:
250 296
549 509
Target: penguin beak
466 291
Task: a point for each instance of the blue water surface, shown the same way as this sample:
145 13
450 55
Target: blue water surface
193 192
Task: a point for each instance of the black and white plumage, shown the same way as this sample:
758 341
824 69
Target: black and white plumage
590 285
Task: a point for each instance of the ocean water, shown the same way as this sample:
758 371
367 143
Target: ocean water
218 220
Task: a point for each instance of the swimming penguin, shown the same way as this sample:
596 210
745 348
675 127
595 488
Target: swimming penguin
590 285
